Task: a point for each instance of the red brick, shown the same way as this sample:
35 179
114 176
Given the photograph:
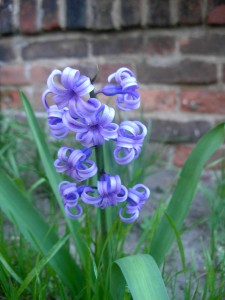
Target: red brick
180 155
190 12
55 49
185 71
106 69
208 44
101 12
203 101
36 100
9 99
40 74
171 131
159 12
6 51
158 99
223 73
216 13
130 13
50 15
27 16
6 24
13 75
159 45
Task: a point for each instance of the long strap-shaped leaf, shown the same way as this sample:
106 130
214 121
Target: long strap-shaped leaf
53 177
183 195
21 212
141 275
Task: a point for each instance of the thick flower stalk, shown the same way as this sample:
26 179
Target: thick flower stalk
92 123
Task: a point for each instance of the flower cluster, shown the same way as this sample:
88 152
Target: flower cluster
92 123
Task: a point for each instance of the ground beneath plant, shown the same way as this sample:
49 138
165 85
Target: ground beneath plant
195 239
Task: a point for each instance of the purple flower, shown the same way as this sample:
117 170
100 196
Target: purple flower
57 128
92 127
73 86
75 163
128 97
109 192
137 197
131 135
70 194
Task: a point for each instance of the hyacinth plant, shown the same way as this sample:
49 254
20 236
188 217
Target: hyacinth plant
77 110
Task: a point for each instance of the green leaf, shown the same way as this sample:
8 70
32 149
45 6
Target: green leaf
53 177
183 195
41 264
141 275
20 211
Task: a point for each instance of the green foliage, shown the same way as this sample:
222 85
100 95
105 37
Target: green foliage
40 261
142 277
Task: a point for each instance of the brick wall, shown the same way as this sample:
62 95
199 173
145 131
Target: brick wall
175 47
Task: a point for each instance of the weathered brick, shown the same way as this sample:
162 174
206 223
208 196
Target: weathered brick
168 131
181 154
6 24
181 72
40 74
13 75
209 44
76 14
119 44
159 45
216 12
116 44
55 49
6 52
203 101
27 16
223 70
102 14
190 12
9 99
154 99
36 100
159 12
106 69
50 19
130 13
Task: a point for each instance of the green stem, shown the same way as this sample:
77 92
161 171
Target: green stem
88 258
103 215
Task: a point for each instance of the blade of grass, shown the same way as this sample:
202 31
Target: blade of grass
185 190
41 264
9 269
